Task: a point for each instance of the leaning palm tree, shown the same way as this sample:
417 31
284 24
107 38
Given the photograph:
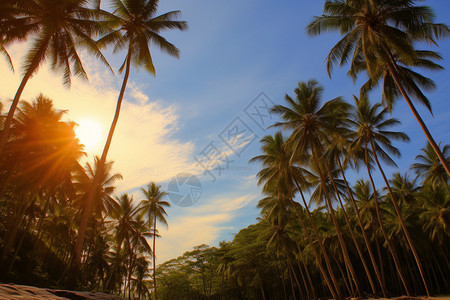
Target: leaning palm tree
379 37
372 130
58 29
136 27
153 207
429 167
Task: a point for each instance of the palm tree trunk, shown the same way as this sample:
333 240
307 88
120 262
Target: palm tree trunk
75 264
311 285
337 294
350 228
405 230
154 257
338 230
393 70
295 276
380 223
366 240
4 134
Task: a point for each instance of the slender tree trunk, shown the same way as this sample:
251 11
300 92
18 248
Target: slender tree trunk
350 229
76 258
292 283
336 293
316 255
302 274
4 134
295 277
311 285
154 258
402 222
338 230
380 223
393 71
361 226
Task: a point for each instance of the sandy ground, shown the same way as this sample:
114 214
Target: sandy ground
15 291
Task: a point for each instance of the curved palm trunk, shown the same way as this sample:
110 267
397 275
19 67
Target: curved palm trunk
154 258
75 264
366 240
4 134
380 223
350 228
337 294
393 70
405 230
338 230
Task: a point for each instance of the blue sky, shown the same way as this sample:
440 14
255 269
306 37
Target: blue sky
232 51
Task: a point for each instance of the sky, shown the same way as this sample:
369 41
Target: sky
201 117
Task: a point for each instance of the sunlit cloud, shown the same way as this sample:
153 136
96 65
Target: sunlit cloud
142 148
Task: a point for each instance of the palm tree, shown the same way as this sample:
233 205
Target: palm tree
153 207
379 36
429 166
44 152
334 153
127 228
372 128
279 177
58 30
95 182
136 27
313 129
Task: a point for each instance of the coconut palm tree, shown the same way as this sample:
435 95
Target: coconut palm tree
153 207
334 153
379 37
429 167
314 126
372 129
58 30
279 177
136 26
43 152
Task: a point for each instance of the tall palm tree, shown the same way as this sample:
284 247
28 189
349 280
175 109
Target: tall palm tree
154 208
379 37
372 129
314 126
279 177
136 26
334 153
58 30
124 219
429 166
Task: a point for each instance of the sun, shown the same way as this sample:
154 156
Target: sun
89 132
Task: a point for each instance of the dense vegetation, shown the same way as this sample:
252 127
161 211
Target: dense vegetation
319 234
354 233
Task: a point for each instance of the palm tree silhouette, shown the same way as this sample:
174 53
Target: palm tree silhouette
153 207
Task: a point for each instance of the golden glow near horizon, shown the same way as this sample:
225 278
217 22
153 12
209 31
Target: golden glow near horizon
89 132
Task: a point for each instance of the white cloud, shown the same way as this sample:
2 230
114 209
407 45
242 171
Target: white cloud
142 148
202 224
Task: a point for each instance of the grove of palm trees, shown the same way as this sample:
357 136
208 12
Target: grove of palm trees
334 221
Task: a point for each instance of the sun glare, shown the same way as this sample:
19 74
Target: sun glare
89 132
